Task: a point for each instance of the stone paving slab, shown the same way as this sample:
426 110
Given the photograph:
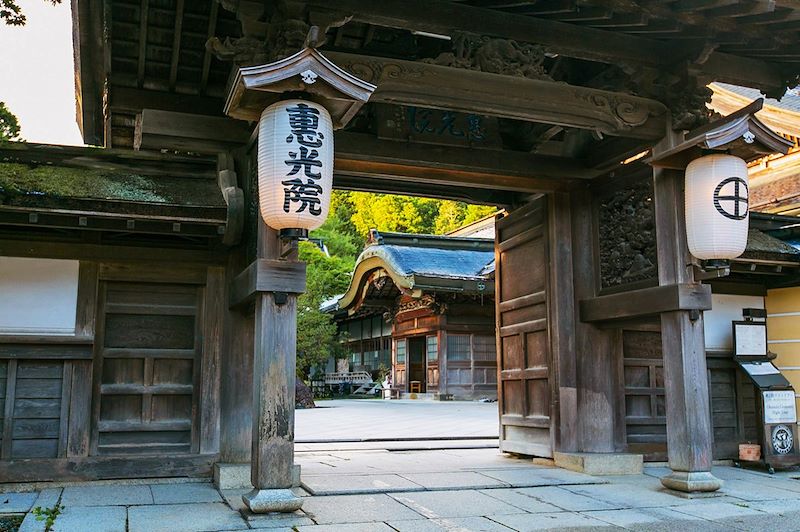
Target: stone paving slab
777 506
717 510
184 518
355 419
541 476
521 501
184 493
565 499
762 523
16 503
352 484
349 527
456 524
560 521
356 509
621 496
467 503
454 480
48 498
275 520
118 495
631 518
79 518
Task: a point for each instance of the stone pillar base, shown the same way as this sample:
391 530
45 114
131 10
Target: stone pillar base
691 481
237 476
272 500
600 463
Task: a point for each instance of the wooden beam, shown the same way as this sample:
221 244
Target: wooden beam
446 18
176 44
415 83
143 13
130 100
88 39
107 467
646 302
362 155
156 129
268 275
212 30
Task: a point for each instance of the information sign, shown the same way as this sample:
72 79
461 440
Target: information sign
750 339
779 407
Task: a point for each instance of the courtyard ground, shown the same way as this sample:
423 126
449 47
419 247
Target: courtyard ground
376 419
366 484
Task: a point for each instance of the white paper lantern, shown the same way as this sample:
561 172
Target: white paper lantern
295 164
717 211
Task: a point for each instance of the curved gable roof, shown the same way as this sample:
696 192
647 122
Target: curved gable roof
422 262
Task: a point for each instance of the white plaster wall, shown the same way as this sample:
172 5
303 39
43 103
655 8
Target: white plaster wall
717 321
38 296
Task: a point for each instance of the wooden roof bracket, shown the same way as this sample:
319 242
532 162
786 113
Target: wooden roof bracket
740 134
309 72
234 199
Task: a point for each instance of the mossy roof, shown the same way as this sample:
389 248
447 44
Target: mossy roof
53 181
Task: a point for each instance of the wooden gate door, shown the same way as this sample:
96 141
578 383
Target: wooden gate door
523 346
147 366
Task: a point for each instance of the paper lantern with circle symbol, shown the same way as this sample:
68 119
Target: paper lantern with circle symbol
717 209
295 165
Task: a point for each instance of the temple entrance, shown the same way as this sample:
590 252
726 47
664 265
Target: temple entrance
416 365
524 356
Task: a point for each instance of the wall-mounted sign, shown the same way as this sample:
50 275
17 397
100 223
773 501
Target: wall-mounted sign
779 407
749 339
435 126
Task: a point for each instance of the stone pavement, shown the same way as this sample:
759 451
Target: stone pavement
365 419
420 491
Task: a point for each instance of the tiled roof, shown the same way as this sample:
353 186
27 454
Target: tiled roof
789 102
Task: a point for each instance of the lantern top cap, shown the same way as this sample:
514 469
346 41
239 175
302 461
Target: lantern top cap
740 134
308 72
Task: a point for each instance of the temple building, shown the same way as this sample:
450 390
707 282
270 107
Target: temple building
435 293
151 325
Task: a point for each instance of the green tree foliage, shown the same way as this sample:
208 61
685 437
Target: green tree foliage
12 14
388 212
455 214
316 333
9 126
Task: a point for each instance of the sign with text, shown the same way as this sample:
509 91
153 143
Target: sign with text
779 407
749 339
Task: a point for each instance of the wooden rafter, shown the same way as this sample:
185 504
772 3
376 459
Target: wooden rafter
176 44
573 40
143 13
212 29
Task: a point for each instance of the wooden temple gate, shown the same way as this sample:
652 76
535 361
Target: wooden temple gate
545 110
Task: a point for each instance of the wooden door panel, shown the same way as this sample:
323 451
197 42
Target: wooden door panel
643 381
147 368
523 348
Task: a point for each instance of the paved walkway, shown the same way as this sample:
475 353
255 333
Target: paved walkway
446 490
370 419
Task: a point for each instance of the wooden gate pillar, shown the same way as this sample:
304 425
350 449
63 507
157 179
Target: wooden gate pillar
690 440
273 282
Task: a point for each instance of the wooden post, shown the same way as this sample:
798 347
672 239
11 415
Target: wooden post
272 463
598 407
689 435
